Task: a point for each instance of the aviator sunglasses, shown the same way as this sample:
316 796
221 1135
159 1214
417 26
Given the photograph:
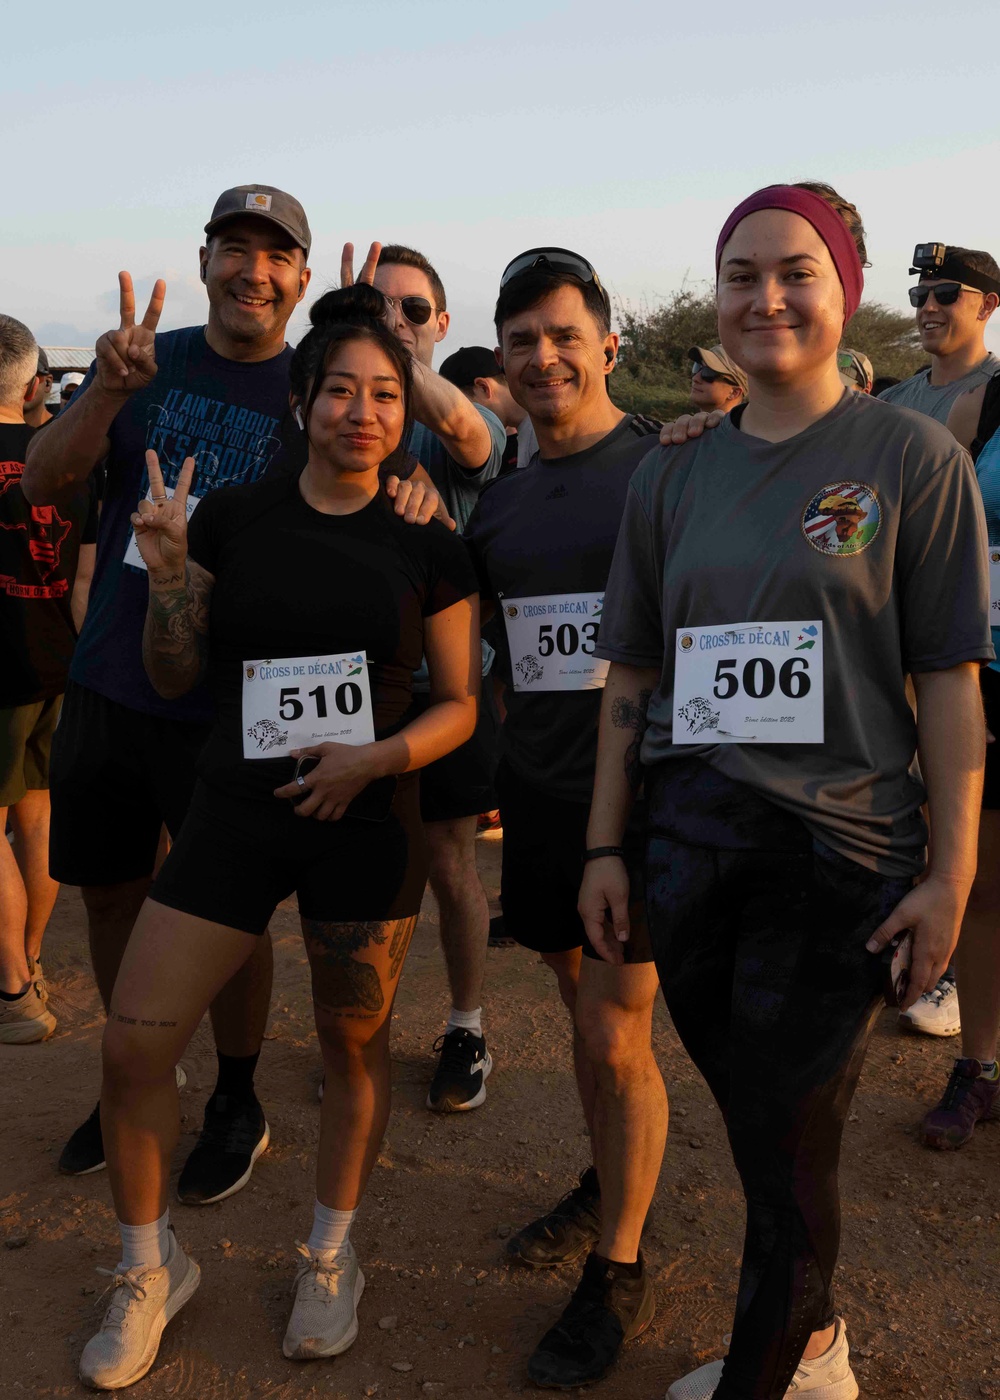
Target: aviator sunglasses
417 310
945 293
709 375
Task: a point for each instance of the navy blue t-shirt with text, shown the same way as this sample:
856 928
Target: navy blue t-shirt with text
232 418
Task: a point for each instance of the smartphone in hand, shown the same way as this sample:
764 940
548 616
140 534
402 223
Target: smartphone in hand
896 960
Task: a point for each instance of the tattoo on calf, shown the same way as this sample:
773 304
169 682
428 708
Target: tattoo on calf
627 713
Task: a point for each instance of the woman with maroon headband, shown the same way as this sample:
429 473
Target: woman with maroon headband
775 582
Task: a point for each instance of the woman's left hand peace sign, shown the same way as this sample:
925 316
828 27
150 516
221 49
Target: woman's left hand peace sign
160 523
367 273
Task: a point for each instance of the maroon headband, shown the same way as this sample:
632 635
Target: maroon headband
824 219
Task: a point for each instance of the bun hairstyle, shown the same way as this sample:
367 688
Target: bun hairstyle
339 318
847 211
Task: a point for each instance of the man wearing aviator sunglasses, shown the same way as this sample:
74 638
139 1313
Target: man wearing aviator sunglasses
958 291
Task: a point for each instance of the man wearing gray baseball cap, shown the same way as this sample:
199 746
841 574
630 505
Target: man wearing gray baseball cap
124 763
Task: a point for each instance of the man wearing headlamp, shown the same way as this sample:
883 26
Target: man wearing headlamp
958 292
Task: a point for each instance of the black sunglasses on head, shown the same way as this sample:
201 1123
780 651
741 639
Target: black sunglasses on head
417 310
945 293
709 375
551 260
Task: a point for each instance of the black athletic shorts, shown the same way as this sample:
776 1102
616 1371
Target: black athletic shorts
461 783
990 682
236 859
544 839
116 777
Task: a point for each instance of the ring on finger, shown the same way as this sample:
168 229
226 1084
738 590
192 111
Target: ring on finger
159 500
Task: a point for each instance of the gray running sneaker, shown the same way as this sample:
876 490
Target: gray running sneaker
38 977
324 1320
26 1019
829 1377
143 1302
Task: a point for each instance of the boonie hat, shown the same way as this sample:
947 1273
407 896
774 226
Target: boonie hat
266 202
855 370
717 359
467 365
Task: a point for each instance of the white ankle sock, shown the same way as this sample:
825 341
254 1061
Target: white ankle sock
465 1021
331 1228
145 1246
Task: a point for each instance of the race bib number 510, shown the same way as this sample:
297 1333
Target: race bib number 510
752 682
552 638
304 700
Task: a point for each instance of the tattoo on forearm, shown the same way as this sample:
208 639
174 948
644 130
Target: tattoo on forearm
175 638
627 713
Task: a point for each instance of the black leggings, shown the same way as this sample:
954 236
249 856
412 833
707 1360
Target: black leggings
759 931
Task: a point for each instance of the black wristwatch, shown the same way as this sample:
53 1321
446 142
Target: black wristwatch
599 852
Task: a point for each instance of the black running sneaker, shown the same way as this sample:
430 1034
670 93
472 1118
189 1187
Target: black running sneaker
234 1135
607 1309
570 1229
460 1079
84 1152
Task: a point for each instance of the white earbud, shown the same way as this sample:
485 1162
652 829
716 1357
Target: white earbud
299 419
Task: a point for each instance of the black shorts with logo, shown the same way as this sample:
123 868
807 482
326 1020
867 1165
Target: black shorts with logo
117 776
544 839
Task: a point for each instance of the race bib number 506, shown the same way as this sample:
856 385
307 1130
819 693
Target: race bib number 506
299 701
552 638
752 682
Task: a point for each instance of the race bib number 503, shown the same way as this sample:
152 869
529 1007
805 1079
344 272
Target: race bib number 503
299 701
751 682
552 638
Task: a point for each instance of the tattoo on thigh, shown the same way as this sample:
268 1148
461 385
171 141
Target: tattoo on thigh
400 942
140 1021
346 981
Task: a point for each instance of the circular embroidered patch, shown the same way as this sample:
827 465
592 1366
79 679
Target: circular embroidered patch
843 518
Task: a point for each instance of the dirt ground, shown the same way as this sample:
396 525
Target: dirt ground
441 1314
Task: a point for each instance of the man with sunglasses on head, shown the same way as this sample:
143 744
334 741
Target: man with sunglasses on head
542 541
717 382
461 446
957 293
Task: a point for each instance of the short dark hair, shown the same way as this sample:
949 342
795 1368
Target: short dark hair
338 318
976 260
398 255
527 290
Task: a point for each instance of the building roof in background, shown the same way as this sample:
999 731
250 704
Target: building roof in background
63 357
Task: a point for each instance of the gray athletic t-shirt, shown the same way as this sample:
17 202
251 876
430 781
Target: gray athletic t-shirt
937 400
729 528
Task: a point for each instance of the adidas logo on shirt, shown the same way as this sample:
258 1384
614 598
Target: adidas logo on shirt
557 494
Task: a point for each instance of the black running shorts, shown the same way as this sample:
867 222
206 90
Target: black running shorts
236 859
544 839
461 783
990 681
117 776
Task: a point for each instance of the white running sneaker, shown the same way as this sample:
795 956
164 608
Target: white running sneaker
936 1013
829 1377
142 1304
26 1019
324 1320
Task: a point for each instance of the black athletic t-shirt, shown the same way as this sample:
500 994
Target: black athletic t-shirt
292 582
39 551
552 530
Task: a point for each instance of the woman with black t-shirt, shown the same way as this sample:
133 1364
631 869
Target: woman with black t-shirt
309 604
774 583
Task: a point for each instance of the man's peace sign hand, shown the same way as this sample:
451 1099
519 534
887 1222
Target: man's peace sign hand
367 273
160 523
125 360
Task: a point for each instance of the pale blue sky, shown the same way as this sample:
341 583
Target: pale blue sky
626 130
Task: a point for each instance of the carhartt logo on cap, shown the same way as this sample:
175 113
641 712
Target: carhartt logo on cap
259 201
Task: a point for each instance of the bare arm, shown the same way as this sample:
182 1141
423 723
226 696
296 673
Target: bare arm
81 584
447 412
71 447
963 420
605 888
175 637
951 740
451 644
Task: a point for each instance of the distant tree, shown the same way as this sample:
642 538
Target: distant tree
654 372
